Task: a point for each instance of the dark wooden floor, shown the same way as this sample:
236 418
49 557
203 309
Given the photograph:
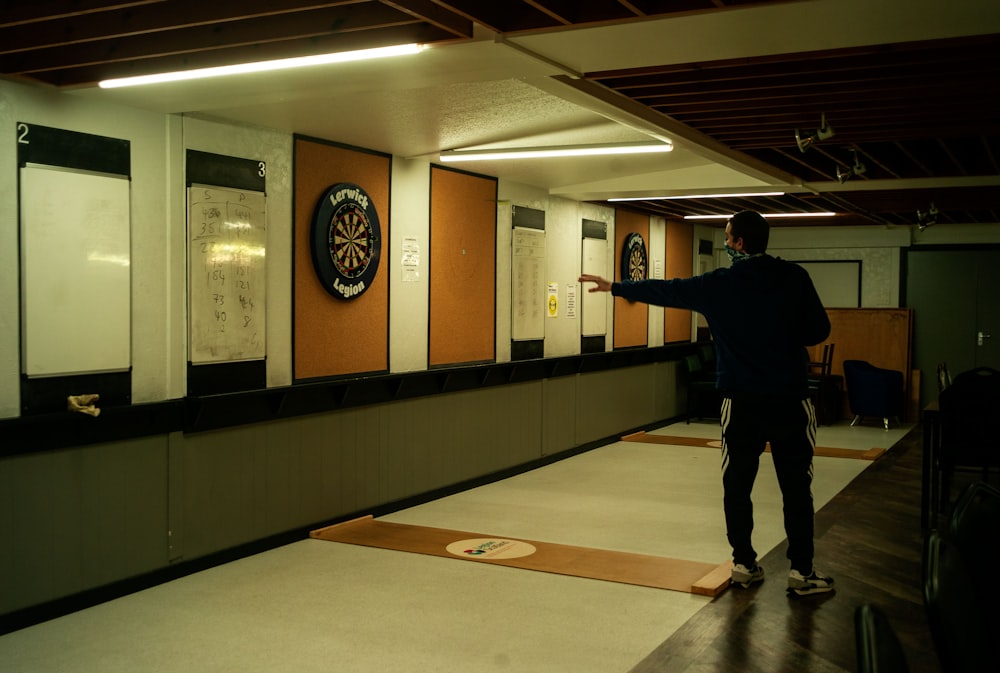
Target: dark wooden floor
869 539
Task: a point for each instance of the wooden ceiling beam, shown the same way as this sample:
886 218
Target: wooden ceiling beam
182 14
93 73
434 14
194 42
28 13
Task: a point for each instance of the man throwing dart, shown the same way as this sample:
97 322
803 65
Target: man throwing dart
763 312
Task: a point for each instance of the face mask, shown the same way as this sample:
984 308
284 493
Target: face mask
735 255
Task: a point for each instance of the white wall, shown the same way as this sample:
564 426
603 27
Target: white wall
409 218
158 202
154 306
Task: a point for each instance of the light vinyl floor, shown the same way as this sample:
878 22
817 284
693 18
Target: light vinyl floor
322 606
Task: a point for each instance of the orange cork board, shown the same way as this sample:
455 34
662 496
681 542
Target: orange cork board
679 253
462 312
335 337
631 319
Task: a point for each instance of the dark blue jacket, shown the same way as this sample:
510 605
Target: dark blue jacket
763 312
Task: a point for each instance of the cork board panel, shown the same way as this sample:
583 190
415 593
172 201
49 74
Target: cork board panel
333 337
631 319
462 271
679 264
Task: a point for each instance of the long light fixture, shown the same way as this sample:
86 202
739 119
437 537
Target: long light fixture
264 66
770 215
555 151
745 195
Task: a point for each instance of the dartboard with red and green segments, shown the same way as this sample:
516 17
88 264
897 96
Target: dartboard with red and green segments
346 240
634 261
351 240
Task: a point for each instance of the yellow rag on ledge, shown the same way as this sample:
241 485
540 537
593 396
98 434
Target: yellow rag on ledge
83 403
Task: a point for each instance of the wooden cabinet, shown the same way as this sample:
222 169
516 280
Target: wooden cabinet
881 336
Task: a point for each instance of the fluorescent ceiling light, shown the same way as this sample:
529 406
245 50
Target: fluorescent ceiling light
560 151
263 66
726 217
699 196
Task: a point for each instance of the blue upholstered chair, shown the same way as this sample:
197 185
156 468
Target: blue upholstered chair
873 391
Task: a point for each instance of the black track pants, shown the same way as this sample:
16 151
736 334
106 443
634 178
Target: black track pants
749 422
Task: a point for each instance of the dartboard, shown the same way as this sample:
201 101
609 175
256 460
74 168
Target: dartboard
346 240
351 241
634 260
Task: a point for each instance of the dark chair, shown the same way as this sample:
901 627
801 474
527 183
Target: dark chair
825 387
955 610
873 391
877 647
974 523
701 389
943 376
969 409
973 527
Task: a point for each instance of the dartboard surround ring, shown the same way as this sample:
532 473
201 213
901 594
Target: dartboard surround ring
634 259
346 240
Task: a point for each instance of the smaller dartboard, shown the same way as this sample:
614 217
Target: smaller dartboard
346 240
634 262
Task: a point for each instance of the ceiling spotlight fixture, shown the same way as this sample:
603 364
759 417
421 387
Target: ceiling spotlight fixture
556 151
824 132
262 66
745 195
768 215
857 169
928 219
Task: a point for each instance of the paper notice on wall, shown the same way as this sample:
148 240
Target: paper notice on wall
552 300
411 260
571 300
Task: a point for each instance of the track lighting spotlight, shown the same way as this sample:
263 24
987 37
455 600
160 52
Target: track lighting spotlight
927 219
857 169
824 132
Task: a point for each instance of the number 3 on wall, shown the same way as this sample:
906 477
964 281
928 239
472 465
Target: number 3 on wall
261 169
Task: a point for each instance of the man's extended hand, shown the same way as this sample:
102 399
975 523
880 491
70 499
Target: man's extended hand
602 285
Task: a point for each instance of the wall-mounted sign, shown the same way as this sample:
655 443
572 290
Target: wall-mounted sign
634 261
346 240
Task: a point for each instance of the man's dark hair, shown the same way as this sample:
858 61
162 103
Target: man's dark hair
752 228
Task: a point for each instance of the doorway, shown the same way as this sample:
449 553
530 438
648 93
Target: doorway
954 295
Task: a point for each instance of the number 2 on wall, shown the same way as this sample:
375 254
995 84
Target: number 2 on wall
22 133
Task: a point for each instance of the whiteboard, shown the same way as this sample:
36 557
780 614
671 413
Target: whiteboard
838 283
527 284
227 240
76 284
594 306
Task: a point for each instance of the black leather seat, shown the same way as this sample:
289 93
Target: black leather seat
877 646
955 610
969 409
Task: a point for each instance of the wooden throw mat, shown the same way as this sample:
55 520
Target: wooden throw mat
870 454
693 577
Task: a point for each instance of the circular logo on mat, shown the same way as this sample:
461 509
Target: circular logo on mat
346 240
490 548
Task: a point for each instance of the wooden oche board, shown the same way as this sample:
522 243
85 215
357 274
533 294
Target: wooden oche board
825 451
694 577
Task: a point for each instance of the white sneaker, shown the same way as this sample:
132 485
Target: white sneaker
815 583
745 576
